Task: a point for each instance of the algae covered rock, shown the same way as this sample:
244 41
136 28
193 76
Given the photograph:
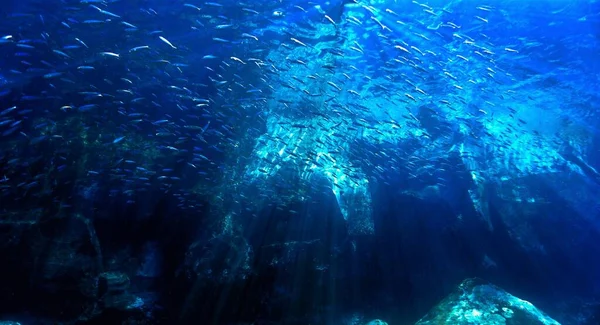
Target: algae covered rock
113 288
477 302
377 322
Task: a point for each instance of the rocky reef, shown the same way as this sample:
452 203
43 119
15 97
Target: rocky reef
478 302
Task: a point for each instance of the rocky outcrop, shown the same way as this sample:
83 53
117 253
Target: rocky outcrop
478 302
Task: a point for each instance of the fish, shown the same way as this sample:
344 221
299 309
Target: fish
119 139
250 105
166 42
109 54
191 6
137 48
102 11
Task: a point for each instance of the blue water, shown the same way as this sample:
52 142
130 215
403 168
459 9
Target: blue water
296 162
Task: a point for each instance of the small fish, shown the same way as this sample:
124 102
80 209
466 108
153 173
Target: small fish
52 75
246 35
297 41
250 11
8 110
191 6
115 55
105 12
137 48
330 20
482 19
119 139
93 21
128 25
238 60
5 122
61 53
166 41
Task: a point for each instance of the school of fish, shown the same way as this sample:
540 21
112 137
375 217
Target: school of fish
223 98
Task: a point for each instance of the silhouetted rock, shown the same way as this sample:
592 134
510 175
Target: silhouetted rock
113 290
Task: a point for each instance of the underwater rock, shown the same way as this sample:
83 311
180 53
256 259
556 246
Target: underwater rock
377 322
65 259
113 289
151 261
115 301
430 193
540 224
223 259
477 302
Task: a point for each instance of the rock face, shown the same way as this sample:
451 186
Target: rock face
113 288
478 302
